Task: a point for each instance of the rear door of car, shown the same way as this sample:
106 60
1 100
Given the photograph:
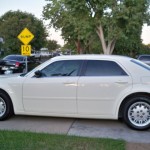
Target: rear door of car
100 85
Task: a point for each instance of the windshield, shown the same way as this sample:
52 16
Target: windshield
18 58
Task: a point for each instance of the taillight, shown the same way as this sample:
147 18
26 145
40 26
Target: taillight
17 64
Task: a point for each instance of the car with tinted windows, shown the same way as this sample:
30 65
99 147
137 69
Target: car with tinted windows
15 64
144 58
81 86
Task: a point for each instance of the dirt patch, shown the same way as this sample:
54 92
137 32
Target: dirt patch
138 146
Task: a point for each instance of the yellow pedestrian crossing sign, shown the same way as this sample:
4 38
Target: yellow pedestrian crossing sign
25 36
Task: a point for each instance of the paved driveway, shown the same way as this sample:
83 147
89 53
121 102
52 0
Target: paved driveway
108 129
37 124
79 127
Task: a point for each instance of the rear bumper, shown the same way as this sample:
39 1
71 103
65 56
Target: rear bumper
5 68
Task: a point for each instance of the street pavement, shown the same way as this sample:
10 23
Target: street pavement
78 127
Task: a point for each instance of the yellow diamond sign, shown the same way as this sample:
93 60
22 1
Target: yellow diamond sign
25 36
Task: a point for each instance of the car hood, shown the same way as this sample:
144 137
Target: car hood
10 75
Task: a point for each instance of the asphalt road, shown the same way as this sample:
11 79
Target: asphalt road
79 127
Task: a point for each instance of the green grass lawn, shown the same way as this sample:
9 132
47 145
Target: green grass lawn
14 140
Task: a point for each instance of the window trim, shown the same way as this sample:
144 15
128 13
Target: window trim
141 64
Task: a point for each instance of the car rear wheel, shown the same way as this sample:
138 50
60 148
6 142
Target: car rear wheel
137 112
6 109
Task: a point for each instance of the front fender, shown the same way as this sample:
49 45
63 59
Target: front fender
13 87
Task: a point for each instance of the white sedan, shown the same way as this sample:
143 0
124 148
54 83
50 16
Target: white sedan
82 86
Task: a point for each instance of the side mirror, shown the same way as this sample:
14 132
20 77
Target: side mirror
38 74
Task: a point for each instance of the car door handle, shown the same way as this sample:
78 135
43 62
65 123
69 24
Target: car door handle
70 83
121 82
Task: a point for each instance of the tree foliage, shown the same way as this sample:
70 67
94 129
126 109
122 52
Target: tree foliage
112 20
74 30
13 22
52 45
145 49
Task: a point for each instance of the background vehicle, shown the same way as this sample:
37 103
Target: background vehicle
15 64
36 55
144 58
82 86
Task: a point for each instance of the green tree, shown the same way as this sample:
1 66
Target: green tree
148 45
110 19
13 22
61 16
52 45
145 49
130 46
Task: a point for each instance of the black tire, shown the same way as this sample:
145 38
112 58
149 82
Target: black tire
6 108
136 112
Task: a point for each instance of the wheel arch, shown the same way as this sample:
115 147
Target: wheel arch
125 100
1 90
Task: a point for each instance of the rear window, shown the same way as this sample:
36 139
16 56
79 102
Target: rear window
18 58
144 58
139 63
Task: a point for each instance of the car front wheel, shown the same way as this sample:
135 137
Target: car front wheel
137 112
6 109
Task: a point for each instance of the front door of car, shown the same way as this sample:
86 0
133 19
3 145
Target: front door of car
102 84
55 91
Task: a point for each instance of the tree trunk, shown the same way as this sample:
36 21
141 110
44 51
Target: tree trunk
78 46
107 49
111 45
101 37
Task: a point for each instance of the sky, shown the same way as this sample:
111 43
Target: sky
31 6
36 6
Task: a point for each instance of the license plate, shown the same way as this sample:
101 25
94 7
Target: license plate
4 68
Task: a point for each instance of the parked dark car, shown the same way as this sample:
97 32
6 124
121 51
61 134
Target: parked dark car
144 58
15 64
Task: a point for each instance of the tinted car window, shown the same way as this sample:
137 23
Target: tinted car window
103 68
62 68
11 57
144 58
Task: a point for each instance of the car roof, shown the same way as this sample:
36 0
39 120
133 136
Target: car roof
92 56
16 55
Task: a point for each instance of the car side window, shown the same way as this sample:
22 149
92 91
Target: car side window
144 58
62 68
103 68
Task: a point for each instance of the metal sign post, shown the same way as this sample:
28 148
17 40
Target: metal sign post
26 70
26 51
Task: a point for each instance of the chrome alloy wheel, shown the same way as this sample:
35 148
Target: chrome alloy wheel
2 107
139 114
